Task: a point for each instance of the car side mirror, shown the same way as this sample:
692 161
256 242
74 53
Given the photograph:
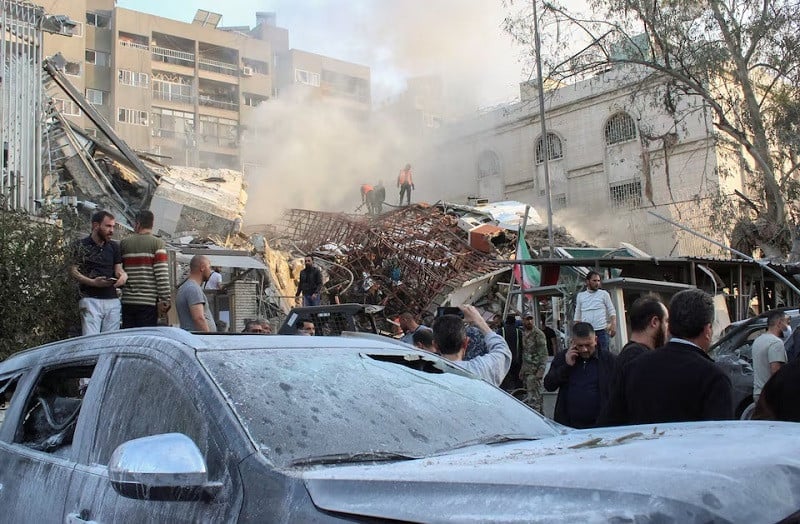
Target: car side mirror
169 466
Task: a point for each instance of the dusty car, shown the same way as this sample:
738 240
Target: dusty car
160 425
733 353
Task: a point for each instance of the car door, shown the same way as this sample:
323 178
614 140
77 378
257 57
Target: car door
143 397
38 440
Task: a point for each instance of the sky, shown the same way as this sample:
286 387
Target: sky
461 40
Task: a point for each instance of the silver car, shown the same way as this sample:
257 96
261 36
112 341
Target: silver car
160 425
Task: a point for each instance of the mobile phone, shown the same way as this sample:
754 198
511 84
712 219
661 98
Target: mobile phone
112 279
440 311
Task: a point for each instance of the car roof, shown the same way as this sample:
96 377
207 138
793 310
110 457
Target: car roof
190 343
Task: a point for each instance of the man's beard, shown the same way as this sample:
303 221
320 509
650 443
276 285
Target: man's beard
660 339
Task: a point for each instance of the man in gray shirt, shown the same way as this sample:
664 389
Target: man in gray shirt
450 339
191 302
768 351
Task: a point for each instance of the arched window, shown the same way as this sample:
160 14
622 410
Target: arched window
620 128
554 149
488 164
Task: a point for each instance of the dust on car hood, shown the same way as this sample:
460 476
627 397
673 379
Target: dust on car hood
694 472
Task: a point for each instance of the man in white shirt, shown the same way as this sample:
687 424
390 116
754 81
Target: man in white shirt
450 340
594 306
768 351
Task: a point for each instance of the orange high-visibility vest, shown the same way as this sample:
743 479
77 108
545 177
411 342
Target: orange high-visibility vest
404 177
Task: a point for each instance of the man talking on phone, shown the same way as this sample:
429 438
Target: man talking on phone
582 375
450 340
97 267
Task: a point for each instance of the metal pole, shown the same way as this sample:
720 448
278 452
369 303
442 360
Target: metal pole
545 138
764 264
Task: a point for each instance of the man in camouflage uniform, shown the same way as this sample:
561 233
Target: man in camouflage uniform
534 360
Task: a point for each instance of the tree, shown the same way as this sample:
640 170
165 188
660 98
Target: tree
741 57
38 299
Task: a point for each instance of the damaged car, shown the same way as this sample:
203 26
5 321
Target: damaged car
161 425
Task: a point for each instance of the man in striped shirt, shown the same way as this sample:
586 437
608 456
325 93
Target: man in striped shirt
144 258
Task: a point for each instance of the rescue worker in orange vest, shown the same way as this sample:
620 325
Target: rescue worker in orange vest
406 184
365 189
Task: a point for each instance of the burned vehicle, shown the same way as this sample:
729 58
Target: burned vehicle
733 353
161 425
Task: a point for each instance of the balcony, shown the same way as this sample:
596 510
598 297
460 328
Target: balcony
215 66
219 102
173 97
134 45
172 56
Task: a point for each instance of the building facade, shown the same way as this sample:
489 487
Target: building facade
613 152
183 91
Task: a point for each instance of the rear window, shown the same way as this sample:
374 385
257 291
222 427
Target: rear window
299 404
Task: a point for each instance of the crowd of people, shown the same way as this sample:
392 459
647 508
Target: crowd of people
663 374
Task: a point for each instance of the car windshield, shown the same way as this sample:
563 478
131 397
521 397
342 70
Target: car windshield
302 404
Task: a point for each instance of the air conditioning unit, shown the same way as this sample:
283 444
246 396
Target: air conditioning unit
247 71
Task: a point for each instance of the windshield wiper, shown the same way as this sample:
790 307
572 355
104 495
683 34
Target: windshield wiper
347 458
491 439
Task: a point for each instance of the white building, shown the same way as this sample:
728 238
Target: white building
614 152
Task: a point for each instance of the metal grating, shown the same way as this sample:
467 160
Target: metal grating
554 149
413 253
21 108
626 194
620 128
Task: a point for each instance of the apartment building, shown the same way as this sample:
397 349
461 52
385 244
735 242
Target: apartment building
309 77
180 90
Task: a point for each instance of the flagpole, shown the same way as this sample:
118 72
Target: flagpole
545 139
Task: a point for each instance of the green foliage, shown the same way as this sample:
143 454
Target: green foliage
741 58
38 298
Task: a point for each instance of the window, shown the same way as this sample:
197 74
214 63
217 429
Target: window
252 100
626 194
137 382
306 77
8 386
78 29
132 116
66 107
559 201
620 128
257 66
97 20
554 149
52 410
98 58
180 91
132 78
95 96
73 68
168 123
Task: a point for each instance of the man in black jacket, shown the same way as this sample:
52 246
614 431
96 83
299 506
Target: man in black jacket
678 382
310 283
582 374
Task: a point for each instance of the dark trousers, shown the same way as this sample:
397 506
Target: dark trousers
405 189
136 315
602 338
308 301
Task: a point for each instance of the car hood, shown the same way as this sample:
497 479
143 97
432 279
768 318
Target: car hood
695 472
